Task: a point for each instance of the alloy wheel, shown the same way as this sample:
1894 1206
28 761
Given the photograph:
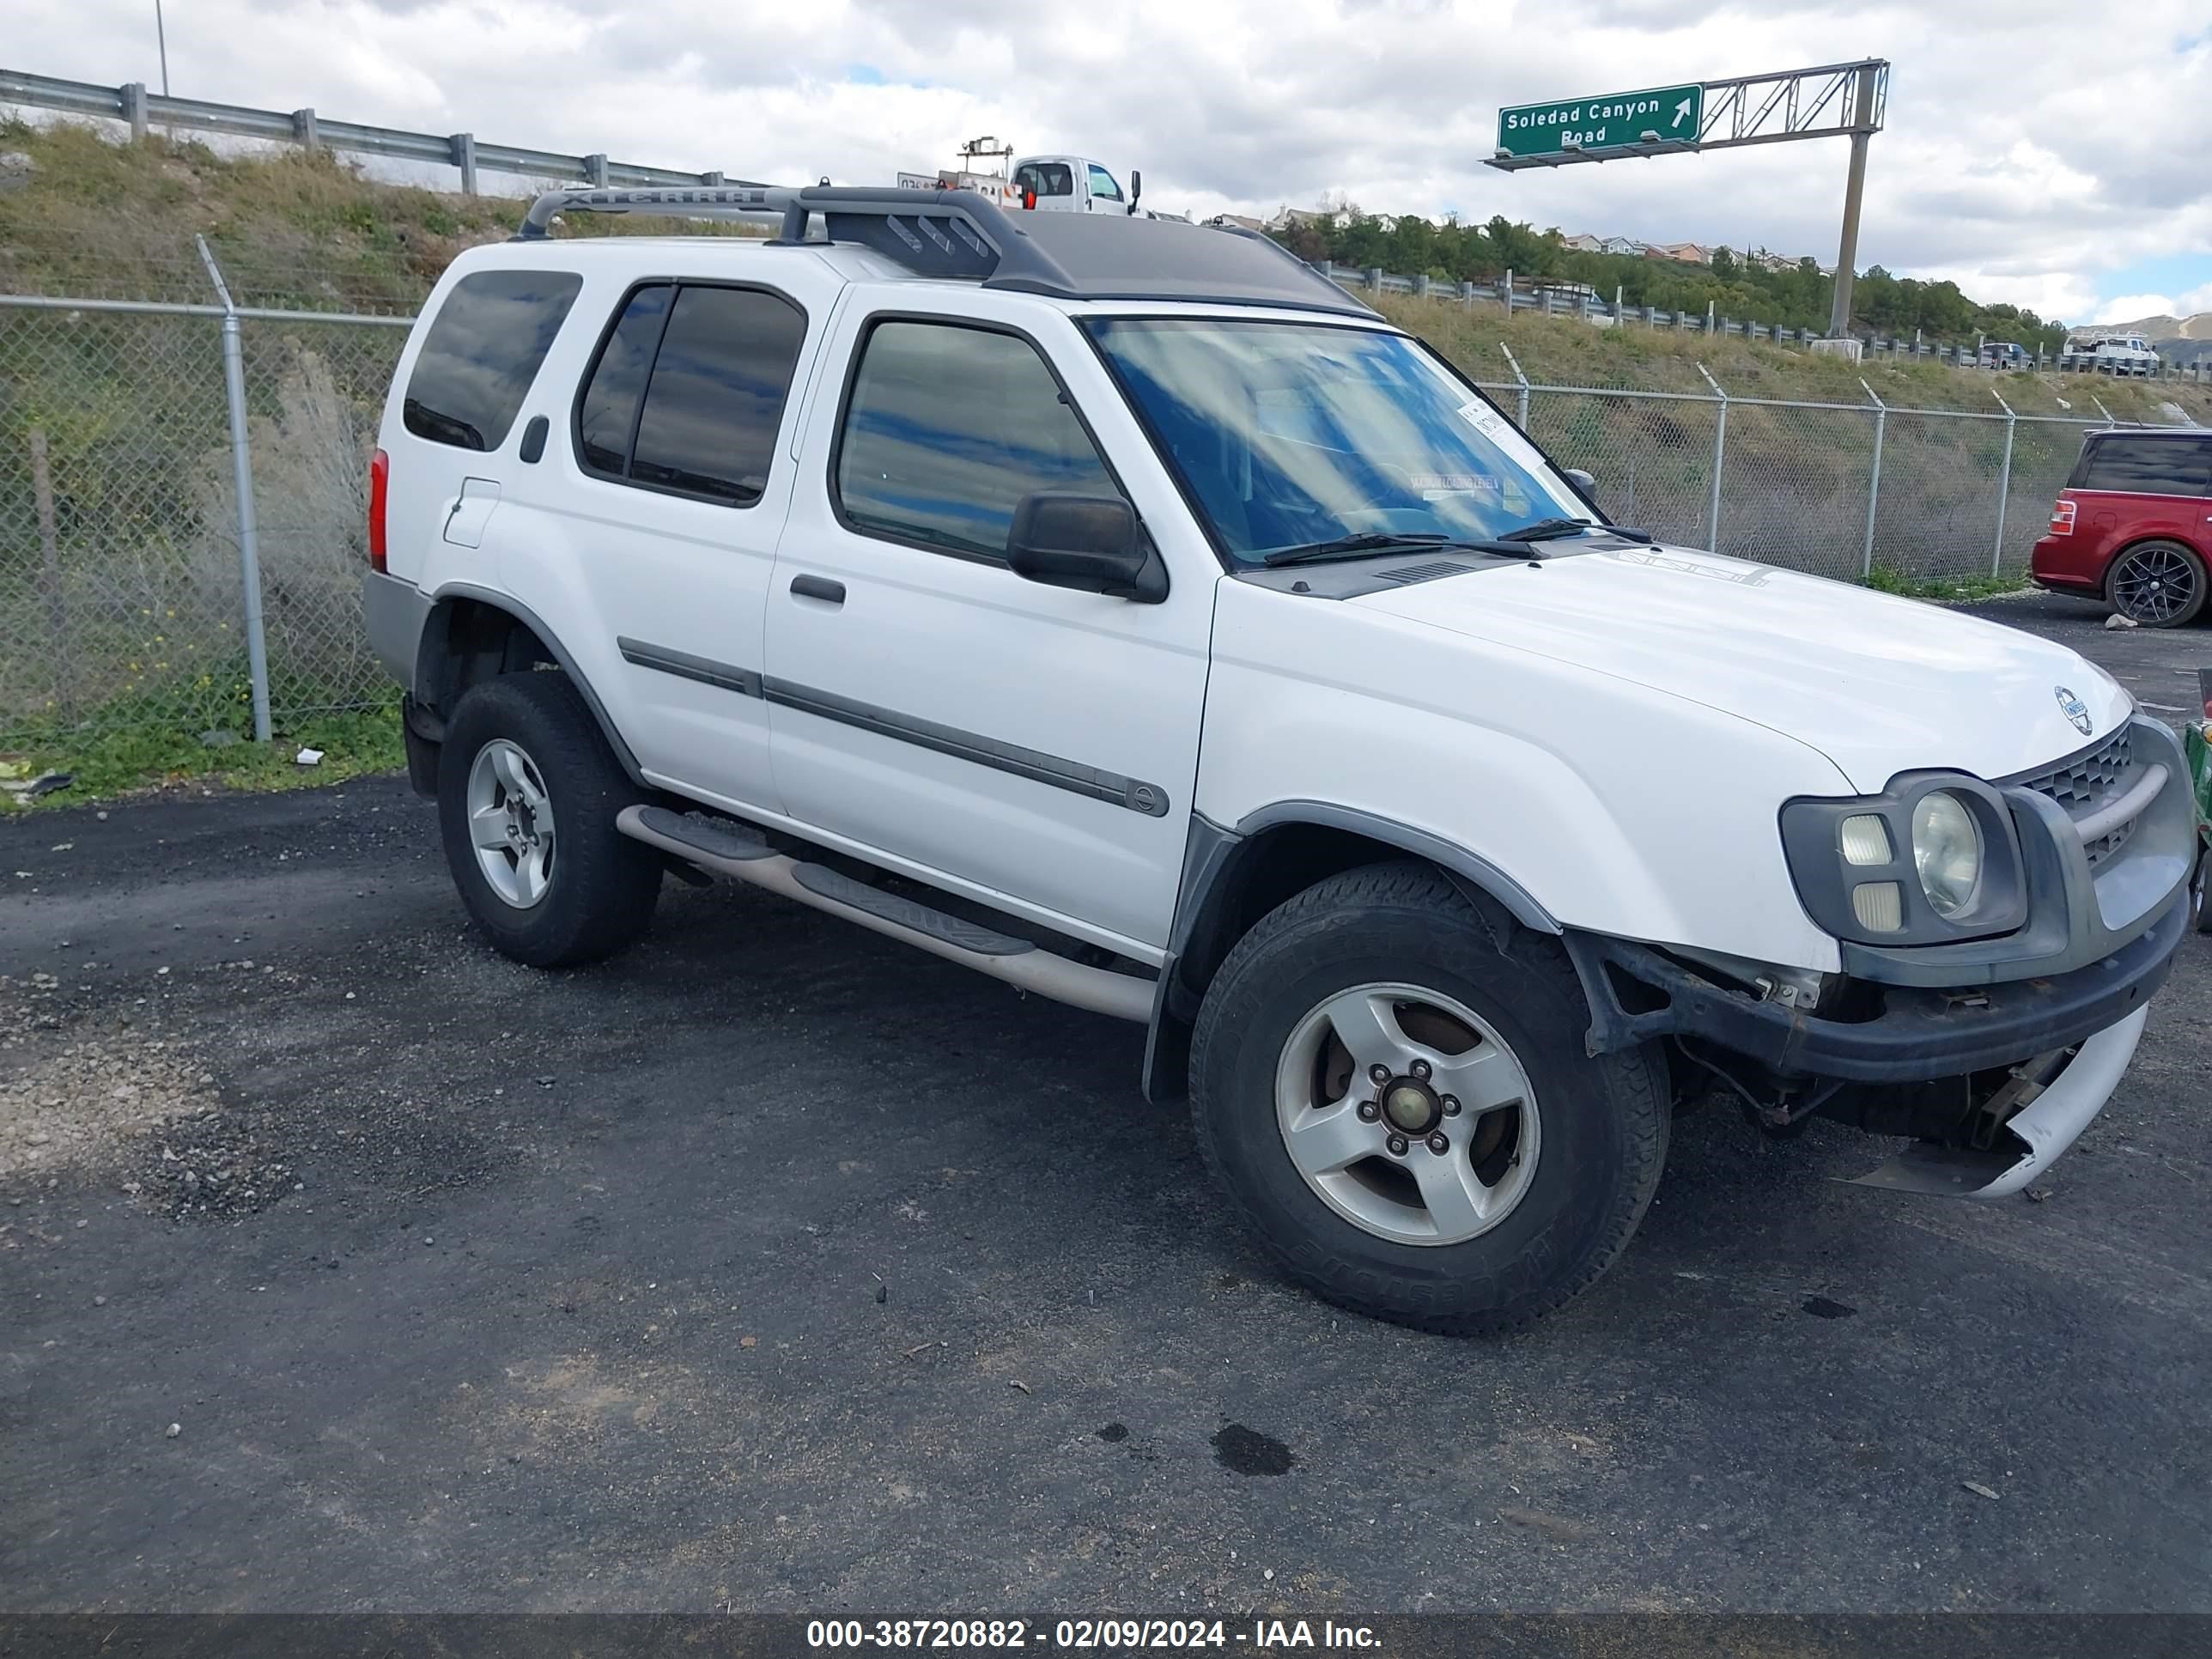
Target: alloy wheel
1407 1114
510 818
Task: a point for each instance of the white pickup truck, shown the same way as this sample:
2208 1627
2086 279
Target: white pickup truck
2116 353
1043 184
1121 610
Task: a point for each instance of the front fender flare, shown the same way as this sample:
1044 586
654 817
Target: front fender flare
1210 877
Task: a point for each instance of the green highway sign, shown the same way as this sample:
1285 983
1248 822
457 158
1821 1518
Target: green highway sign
1653 122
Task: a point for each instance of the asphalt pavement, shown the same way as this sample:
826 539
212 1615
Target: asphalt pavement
345 1266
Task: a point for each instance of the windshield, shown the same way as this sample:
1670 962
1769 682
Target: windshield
1296 435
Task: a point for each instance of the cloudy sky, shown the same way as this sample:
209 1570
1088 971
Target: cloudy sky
2054 153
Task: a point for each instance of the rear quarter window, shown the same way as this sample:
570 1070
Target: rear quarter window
482 351
2147 465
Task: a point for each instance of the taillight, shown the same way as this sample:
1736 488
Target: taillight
2062 518
380 484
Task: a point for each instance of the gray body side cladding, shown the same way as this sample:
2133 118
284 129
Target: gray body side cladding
1208 856
393 614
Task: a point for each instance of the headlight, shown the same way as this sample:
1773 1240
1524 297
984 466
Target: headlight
1946 852
1934 858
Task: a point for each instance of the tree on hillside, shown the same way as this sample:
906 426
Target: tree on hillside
1795 296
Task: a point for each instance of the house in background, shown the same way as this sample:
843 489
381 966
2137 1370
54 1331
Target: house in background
1688 253
1582 242
1336 217
1239 222
1627 244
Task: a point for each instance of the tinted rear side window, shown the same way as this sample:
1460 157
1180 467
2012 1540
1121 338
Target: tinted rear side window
947 427
608 414
481 352
2147 465
715 367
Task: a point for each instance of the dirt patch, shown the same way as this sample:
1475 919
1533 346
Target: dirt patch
87 1101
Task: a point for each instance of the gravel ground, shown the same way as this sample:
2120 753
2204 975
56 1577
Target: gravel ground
345 1266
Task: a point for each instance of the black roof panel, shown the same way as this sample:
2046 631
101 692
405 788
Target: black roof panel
1074 255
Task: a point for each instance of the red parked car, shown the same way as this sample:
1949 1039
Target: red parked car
2133 526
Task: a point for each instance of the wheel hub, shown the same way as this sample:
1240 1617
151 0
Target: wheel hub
1411 1106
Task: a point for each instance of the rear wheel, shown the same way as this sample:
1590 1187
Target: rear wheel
1406 1116
528 792
2157 584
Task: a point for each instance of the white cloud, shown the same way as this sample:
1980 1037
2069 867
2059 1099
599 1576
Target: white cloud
2026 184
2131 308
2196 299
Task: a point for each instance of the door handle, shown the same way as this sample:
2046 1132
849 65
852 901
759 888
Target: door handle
818 587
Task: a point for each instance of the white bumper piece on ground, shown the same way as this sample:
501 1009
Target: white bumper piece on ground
2048 1124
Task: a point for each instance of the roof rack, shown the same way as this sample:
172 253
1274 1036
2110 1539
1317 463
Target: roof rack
961 234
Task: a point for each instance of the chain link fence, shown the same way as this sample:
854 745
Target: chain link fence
123 600
123 596
1837 490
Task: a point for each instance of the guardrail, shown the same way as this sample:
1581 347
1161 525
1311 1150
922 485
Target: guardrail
1520 295
145 110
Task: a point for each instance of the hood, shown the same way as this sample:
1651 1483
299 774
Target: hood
1877 683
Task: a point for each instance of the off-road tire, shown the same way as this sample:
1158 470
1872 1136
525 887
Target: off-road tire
604 885
1604 1119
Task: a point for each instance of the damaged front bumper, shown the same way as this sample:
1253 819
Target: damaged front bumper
2031 1138
1994 1081
1991 1055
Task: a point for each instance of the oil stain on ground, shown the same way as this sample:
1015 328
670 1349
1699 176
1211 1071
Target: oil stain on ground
1246 1451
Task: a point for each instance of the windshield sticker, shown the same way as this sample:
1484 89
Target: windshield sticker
1456 483
1482 417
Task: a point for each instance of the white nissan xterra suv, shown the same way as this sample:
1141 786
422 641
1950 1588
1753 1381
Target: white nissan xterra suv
1119 609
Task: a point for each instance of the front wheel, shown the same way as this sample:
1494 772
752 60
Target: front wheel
2156 584
1406 1116
528 792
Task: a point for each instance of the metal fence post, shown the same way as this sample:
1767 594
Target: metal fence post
241 464
465 158
1522 402
2004 481
1874 478
1509 290
1720 459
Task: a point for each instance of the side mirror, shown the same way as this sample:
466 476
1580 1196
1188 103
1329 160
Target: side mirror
1090 542
1581 480
1136 187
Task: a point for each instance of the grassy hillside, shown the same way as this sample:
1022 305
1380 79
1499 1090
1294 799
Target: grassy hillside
105 220
1566 351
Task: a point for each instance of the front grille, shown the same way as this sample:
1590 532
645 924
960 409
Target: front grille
2086 782
2081 783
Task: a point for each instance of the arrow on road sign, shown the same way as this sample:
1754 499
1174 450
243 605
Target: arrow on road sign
1682 112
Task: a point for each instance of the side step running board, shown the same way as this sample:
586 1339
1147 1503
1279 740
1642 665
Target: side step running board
728 851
